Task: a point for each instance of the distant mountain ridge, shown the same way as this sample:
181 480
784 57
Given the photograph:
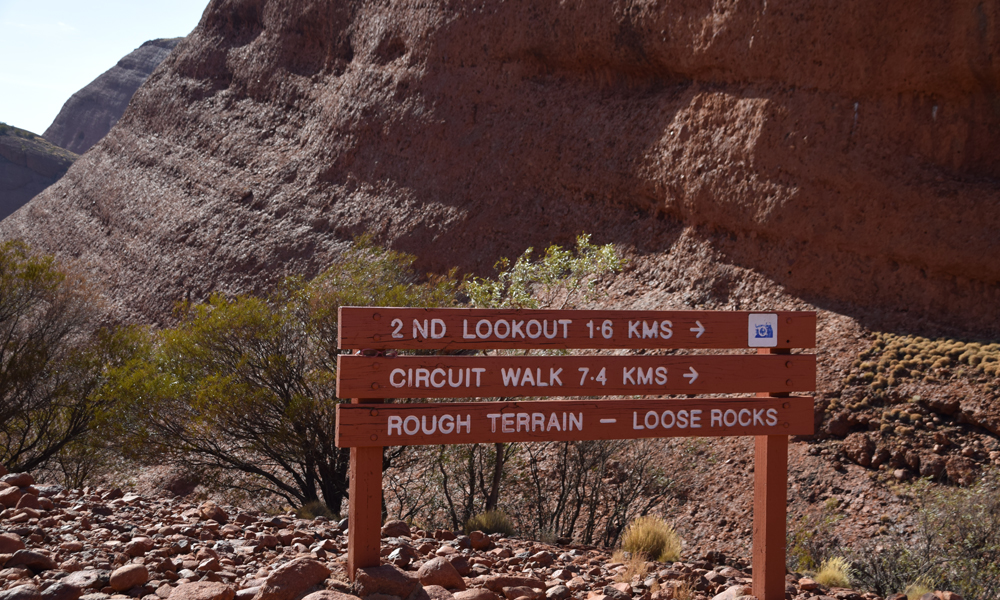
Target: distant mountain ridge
91 112
28 165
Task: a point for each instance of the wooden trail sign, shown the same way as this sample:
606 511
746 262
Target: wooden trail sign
537 421
451 328
366 425
548 376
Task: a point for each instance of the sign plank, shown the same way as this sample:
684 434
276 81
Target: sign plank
568 420
453 328
546 376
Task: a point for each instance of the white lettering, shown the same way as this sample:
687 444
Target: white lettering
649 331
554 376
545 328
696 418
661 375
507 422
496 329
577 420
538 329
479 329
435 333
656 420
467 423
553 423
440 372
682 419
646 377
451 381
565 323
446 424
665 330
749 417
417 328
729 418
423 375
635 421
716 417
510 376
525 420
493 421
633 327
423 424
758 416
478 371
772 417
538 378
392 378
465 330
406 425
395 423
515 329
663 419
537 421
528 376
628 375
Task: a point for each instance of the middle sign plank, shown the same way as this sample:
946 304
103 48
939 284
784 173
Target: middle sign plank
538 376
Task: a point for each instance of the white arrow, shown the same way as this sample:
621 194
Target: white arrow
700 329
693 375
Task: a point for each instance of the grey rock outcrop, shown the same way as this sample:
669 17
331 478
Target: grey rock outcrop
90 113
28 165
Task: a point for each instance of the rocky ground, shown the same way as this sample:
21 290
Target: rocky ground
101 544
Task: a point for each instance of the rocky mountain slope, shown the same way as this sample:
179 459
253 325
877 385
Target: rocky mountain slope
28 165
852 167
90 113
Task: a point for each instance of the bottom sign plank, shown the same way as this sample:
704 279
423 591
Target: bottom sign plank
569 420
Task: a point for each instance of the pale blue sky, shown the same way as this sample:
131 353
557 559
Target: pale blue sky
49 49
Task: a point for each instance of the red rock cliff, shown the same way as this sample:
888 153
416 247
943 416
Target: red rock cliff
846 150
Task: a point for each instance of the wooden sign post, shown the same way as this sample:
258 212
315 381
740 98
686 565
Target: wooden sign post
366 426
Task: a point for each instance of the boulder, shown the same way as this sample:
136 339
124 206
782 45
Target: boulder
36 561
436 592
10 496
18 479
87 579
558 592
21 592
476 594
211 510
859 448
733 592
203 590
480 541
292 579
10 543
385 579
28 501
61 591
440 571
128 577
329 595
497 583
960 470
395 528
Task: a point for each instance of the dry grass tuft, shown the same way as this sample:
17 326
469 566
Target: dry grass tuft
653 539
491 521
834 572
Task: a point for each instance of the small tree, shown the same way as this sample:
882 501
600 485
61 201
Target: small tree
245 387
50 359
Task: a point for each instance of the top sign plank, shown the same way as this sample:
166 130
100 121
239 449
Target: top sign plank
469 328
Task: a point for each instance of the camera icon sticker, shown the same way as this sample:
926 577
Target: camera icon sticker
762 331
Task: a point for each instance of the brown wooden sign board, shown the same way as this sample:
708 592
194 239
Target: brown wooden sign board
447 328
547 376
538 421
366 425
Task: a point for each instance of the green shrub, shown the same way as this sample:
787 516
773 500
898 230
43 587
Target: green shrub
834 572
491 521
653 538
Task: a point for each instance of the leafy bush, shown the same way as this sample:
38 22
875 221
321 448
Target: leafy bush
653 538
491 521
834 572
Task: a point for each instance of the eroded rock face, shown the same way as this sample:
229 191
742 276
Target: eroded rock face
90 113
800 140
